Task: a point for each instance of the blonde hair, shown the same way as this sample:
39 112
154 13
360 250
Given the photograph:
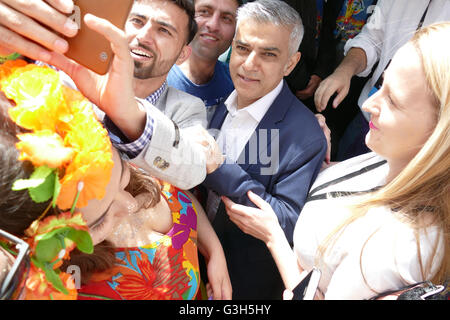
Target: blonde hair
422 189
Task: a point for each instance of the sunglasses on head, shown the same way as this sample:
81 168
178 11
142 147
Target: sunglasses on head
14 282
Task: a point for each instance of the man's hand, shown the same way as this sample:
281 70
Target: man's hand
32 27
338 82
213 154
113 92
310 89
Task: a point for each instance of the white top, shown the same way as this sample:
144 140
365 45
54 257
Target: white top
389 260
390 26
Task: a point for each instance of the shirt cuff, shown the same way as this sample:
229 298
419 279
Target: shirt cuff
122 143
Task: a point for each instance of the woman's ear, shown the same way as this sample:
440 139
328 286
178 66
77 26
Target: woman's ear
184 55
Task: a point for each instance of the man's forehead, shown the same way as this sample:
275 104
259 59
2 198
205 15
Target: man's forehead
231 5
262 35
158 8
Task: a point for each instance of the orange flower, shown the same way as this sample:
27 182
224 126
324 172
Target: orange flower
44 148
65 219
7 68
94 170
38 288
92 163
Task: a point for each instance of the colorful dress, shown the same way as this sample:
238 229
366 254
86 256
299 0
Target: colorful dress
166 269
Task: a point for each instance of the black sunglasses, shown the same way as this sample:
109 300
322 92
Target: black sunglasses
14 282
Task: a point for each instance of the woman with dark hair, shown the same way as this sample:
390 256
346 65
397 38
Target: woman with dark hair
144 231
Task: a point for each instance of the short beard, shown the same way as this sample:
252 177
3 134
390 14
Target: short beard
142 73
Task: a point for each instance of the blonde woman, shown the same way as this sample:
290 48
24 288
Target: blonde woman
380 221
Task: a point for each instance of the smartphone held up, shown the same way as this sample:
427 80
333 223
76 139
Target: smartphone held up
88 47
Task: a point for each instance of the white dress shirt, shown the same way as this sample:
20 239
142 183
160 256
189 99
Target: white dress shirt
240 124
236 130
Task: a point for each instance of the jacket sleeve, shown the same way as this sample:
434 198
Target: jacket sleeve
171 155
289 192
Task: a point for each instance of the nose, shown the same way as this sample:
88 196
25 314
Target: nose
372 104
212 23
128 204
250 63
145 35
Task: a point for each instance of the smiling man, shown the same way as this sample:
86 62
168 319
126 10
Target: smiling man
202 74
272 142
158 34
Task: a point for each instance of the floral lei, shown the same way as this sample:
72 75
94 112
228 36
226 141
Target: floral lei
72 156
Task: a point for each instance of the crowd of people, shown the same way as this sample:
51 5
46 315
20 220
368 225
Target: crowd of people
232 147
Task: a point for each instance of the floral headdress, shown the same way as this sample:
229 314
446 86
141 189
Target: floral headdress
72 156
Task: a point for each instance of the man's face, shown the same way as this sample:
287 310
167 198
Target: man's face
216 20
157 32
260 59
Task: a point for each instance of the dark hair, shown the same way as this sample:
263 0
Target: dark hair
17 210
189 7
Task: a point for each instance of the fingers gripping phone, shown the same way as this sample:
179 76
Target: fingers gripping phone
307 288
88 47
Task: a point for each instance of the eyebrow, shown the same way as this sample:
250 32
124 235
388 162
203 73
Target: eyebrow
240 42
212 8
168 25
160 22
109 207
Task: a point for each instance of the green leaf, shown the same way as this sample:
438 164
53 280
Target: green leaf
37 178
47 250
44 191
54 279
53 234
82 239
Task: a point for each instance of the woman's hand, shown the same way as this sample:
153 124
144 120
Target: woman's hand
261 223
219 285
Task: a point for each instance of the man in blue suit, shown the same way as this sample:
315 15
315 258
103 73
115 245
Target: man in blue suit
272 143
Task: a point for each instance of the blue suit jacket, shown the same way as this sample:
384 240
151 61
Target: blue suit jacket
298 144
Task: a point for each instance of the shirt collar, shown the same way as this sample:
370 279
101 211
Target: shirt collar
258 108
154 97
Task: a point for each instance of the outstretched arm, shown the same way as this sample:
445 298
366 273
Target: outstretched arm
211 249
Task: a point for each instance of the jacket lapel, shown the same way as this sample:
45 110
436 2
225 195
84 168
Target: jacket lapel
218 117
274 114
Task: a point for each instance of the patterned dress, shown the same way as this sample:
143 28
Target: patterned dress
166 269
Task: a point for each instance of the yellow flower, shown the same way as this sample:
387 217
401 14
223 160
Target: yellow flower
38 96
65 131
